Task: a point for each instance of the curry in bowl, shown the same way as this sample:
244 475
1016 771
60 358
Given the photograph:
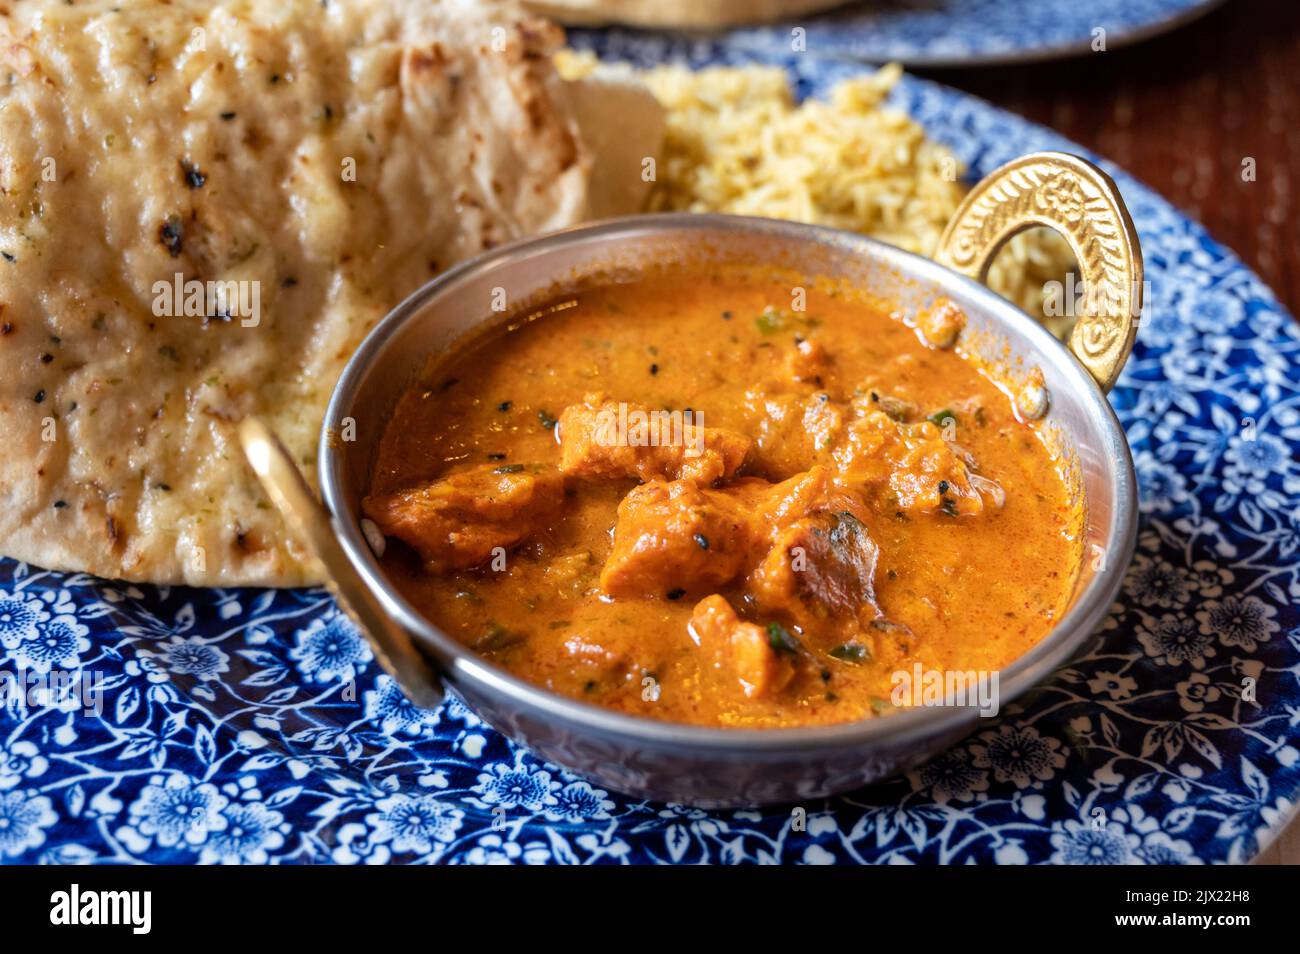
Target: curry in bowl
719 496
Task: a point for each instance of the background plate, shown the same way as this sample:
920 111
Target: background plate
251 725
941 32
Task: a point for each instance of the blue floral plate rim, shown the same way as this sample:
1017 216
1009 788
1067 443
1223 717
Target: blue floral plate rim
921 34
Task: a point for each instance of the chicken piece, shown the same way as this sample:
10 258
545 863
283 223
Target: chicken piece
791 499
792 431
603 438
930 476
875 443
677 538
913 465
457 522
821 568
741 648
800 548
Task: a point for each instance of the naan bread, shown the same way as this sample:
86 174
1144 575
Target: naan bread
623 125
333 157
678 14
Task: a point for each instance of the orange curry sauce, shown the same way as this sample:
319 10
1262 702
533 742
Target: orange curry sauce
863 501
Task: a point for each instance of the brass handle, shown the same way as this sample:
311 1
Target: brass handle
1083 204
284 484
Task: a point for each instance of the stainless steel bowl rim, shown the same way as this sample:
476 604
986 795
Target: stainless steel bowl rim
459 662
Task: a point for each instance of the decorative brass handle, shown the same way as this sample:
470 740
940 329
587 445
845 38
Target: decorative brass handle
313 525
1078 200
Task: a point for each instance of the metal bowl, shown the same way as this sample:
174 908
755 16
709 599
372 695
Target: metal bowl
713 767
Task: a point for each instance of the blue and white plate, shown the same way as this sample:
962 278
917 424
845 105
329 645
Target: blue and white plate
253 726
937 32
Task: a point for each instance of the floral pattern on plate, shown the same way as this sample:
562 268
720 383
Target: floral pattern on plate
252 726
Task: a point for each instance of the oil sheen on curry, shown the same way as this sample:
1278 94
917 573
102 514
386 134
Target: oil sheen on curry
714 497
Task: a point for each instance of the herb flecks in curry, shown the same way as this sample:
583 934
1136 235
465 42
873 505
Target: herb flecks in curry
788 511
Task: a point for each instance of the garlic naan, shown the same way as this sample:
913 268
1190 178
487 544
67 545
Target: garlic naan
323 159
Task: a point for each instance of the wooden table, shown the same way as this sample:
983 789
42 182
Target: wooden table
1183 113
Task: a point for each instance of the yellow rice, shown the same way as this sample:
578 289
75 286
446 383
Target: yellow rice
736 142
